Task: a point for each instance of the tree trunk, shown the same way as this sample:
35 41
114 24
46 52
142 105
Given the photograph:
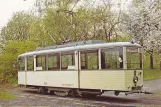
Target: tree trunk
151 61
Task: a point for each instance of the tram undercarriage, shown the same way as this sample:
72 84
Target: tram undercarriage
64 92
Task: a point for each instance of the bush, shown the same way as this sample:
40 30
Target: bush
8 59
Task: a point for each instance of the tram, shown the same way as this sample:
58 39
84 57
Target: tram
83 68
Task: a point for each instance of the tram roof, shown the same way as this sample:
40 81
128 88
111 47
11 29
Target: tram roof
82 47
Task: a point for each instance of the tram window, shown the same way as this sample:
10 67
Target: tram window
89 60
53 62
21 63
30 63
67 60
134 58
40 63
112 58
83 61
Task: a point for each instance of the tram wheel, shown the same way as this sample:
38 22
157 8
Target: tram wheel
117 93
72 93
42 90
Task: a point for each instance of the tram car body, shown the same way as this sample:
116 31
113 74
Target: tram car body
85 67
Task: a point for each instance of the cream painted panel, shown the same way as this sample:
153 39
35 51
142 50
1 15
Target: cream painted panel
91 79
64 79
21 77
141 80
129 78
36 78
113 80
53 78
105 80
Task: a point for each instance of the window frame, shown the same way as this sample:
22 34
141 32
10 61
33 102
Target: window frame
121 54
58 61
64 54
45 67
86 58
140 53
19 64
32 62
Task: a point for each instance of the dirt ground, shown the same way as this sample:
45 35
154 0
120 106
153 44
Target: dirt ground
28 97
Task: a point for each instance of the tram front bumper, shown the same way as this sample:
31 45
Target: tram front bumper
137 91
137 88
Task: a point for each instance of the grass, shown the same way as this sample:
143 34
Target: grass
5 95
157 95
151 74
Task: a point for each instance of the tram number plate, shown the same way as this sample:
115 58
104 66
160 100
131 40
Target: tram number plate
67 85
132 49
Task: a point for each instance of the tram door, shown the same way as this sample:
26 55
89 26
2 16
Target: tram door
89 74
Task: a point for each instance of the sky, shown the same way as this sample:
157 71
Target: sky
8 7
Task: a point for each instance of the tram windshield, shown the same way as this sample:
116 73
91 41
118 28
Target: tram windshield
134 58
112 58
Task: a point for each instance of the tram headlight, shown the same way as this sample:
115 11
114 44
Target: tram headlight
135 79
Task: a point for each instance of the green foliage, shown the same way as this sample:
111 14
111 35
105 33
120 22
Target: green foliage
8 59
18 27
57 26
38 33
124 38
6 96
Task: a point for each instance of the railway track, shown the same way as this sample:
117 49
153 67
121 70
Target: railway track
32 98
